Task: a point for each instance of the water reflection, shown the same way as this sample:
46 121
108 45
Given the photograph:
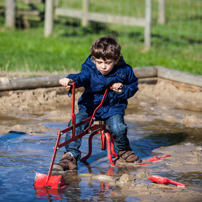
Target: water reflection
85 187
145 145
43 192
11 135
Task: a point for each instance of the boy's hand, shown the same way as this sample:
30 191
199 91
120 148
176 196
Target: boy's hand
117 87
65 82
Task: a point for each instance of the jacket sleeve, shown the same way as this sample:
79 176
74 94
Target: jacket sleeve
130 86
82 78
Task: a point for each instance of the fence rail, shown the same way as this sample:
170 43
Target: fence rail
100 17
85 15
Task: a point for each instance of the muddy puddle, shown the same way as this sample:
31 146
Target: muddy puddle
23 154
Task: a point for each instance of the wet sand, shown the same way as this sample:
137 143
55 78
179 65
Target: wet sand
169 101
175 103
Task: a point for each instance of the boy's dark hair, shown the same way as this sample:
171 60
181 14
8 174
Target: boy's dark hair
106 48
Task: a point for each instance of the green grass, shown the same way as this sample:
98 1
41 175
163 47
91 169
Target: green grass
176 45
28 50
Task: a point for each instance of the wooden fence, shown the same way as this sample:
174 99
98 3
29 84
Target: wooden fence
85 15
12 13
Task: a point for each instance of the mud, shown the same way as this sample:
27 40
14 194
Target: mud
172 103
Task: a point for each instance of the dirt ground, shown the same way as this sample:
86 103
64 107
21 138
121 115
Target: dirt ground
161 97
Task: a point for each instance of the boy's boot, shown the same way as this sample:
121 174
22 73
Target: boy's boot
68 162
129 156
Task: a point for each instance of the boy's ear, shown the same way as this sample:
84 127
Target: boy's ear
117 61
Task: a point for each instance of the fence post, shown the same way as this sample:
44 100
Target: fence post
162 11
10 13
57 3
84 21
49 5
148 19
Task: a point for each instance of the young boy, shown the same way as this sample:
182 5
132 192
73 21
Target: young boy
105 66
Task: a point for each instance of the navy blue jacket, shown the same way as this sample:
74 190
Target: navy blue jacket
95 84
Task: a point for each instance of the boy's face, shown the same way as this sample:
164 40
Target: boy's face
105 66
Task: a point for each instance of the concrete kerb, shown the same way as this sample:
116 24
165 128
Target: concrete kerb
181 77
169 74
144 72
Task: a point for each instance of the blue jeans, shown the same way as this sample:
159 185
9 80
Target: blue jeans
116 125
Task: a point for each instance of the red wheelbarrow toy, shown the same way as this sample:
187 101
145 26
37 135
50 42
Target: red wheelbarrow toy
56 182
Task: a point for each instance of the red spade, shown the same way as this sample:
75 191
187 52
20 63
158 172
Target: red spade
162 180
54 182
156 158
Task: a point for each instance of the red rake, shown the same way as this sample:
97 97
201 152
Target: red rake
162 180
156 158
57 182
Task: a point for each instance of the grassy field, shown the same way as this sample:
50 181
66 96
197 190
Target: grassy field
28 50
69 46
